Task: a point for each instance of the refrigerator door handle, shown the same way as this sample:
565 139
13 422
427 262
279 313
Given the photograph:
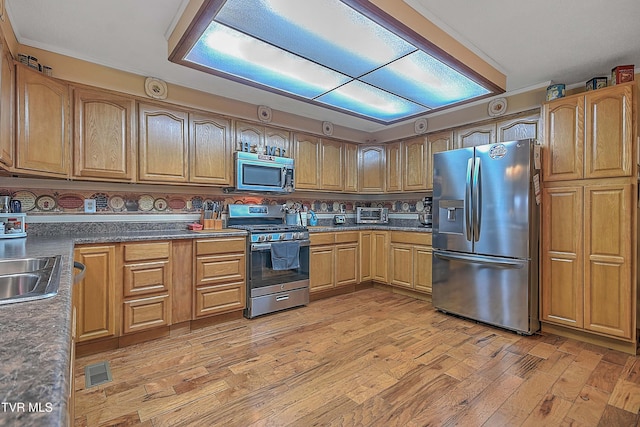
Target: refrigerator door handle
467 200
477 200
478 259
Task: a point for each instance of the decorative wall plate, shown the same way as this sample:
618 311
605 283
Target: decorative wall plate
327 128
155 88
145 203
420 125
46 203
160 204
27 199
116 203
264 114
497 107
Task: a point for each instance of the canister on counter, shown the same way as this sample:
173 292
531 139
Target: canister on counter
555 91
622 74
597 83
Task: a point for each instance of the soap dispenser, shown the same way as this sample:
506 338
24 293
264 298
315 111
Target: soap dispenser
314 219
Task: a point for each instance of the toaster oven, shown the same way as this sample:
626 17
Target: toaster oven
372 215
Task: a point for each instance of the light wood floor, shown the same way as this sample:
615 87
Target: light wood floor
367 358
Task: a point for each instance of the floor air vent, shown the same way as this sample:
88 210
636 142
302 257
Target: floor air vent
97 374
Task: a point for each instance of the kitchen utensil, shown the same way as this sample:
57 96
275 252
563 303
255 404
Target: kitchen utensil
4 204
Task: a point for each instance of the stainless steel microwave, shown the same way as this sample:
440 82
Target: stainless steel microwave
260 172
372 215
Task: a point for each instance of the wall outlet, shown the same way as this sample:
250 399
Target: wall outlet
89 206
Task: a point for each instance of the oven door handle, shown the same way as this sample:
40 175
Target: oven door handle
267 245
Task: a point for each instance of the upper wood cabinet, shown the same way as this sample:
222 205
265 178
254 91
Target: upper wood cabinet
437 142
163 144
43 124
475 135
307 159
589 135
210 150
371 168
104 135
414 164
7 88
331 165
253 136
394 168
350 168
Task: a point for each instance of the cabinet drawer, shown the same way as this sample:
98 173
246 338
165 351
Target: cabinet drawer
146 278
219 269
146 313
347 237
322 238
219 299
411 238
145 251
220 246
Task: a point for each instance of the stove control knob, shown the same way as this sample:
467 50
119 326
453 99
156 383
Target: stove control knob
282 236
269 237
261 238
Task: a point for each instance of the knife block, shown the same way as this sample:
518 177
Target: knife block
210 224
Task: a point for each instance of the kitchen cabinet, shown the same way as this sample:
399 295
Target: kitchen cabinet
95 295
163 144
210 153
394 167
43 127
517 128
365 249
590 135
414 164
104 135
219 276
350 168
7 107
333 260
146 285
331 164
380 256
437 142
319 163
410 260
371 168
475 135
255 137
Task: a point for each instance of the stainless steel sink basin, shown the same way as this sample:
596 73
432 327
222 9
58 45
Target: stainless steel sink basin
28 279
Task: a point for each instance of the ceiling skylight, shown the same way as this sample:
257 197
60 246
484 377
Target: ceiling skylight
327 53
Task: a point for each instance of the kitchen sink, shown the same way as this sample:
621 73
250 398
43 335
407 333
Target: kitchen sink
29 279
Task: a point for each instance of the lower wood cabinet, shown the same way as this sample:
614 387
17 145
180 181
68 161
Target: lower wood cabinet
219 279
333 260
146 285
364 253
95 296
380 256
410 260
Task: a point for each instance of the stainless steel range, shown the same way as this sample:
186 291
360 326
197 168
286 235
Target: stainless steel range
278 259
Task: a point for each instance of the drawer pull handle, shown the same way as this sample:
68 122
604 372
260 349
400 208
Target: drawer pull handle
282 298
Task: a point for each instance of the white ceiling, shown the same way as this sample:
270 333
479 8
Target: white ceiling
531 42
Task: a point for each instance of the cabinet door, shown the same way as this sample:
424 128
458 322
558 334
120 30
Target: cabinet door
218 299
609 132
394 167
563 139
44 123
103 135
163 144
7 88
476 135
346 264
351 168
219 268
210 154
307 156
438 142
331 162
518 128
414 160
146 278
562 256
321 267
277 142
249 136
146 313
95 294
608 289
371 165
422 262
401 265
380 256
365 248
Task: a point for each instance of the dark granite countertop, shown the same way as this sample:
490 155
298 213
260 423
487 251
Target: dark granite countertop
35 337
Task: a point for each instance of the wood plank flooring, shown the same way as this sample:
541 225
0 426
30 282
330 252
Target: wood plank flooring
370 358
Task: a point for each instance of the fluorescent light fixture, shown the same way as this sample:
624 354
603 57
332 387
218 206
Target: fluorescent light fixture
327 52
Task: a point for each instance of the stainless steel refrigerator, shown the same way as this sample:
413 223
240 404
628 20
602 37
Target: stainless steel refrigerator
485 235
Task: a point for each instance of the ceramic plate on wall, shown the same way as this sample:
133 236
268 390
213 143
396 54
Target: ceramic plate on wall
145 203
155 88
497 107
116 203
160 204
27 199
46 203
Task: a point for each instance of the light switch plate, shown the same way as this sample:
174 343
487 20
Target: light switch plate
89 206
